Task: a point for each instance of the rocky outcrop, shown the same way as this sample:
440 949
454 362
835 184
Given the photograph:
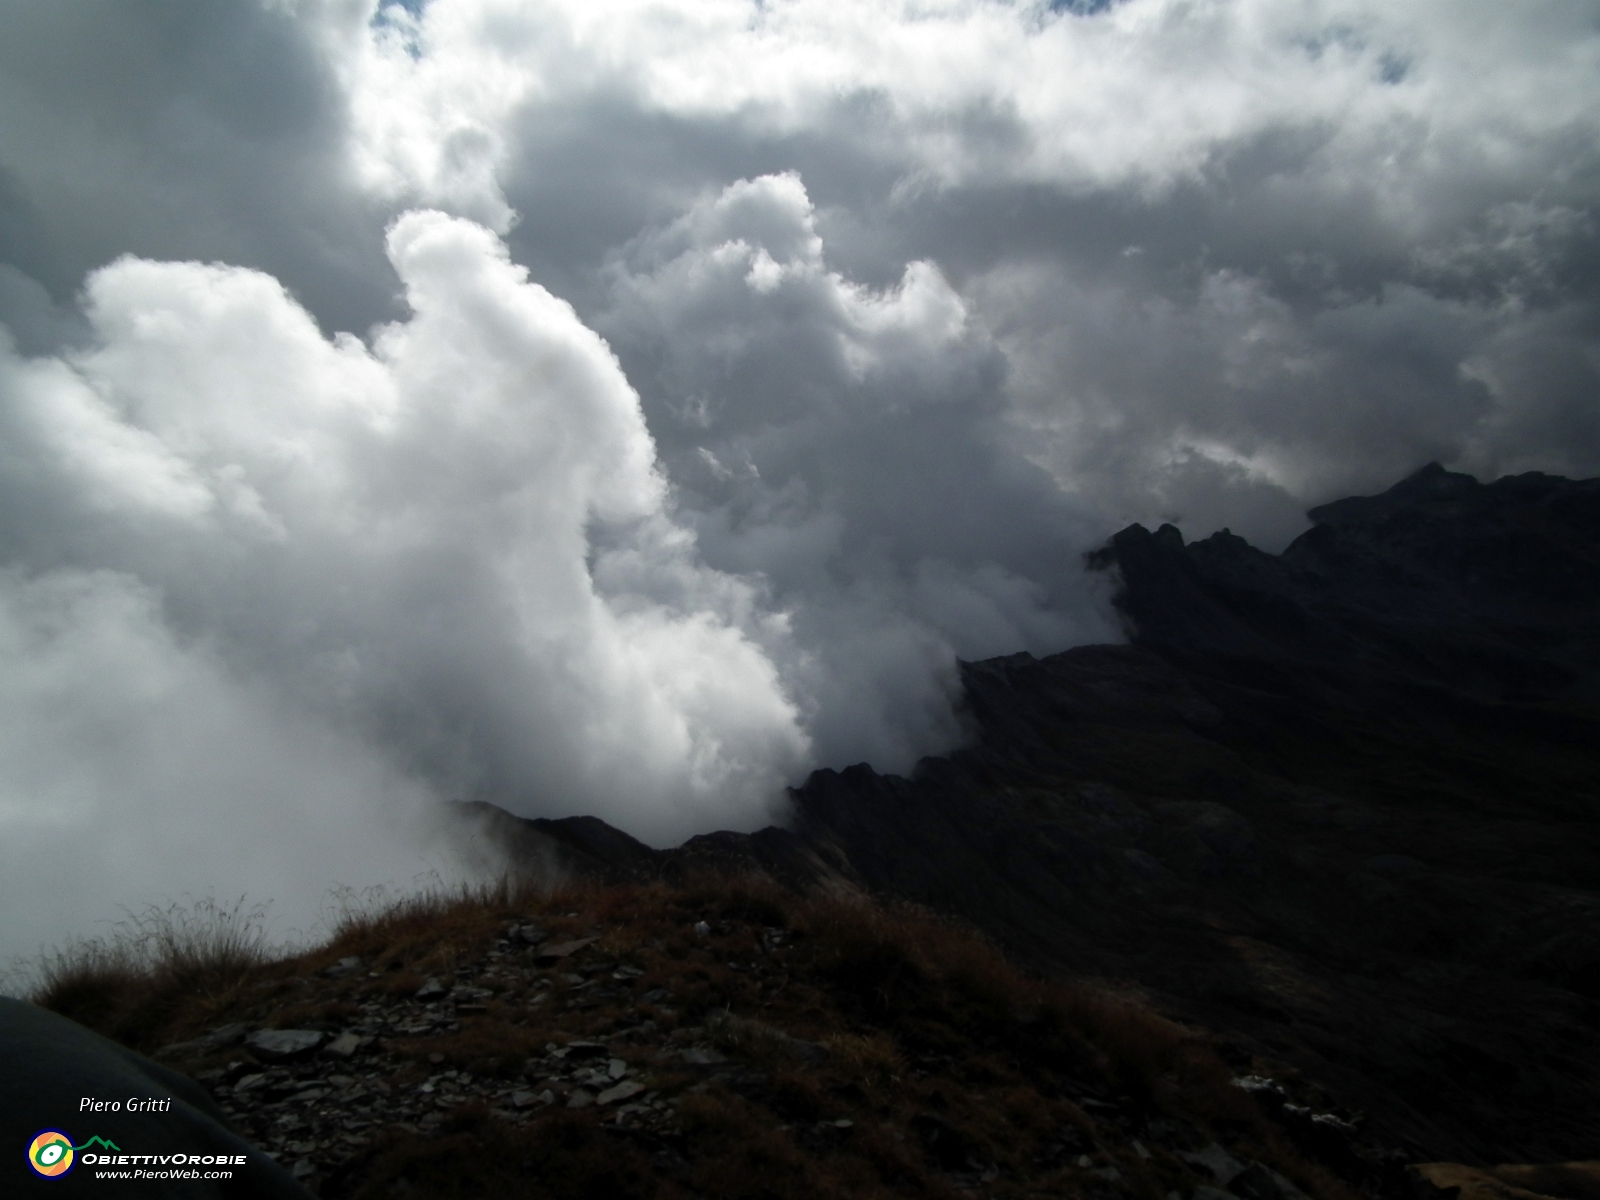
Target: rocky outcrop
1441 582
726 1038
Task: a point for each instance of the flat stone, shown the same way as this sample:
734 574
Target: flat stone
616 1068
431 990
622 1091
1215 1159
206 1043
585 1050
699 1056
1260 1085
280 1045
343 1046
580 1099
345 966
532 935
1331 1121
1257 1182
558 951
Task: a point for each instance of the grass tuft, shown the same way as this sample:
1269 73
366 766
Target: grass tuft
204 950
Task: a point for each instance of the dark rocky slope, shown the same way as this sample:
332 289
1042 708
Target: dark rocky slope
1338 805
722 1040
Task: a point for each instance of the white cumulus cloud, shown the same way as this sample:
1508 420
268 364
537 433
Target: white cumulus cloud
400 546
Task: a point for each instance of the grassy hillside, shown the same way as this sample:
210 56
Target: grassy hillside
720 1039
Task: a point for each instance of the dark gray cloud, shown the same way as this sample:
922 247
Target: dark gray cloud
901 313
1299 292
177 131
851 447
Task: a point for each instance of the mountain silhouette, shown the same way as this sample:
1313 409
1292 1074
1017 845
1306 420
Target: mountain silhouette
1337 806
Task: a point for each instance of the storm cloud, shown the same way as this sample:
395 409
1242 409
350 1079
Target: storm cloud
625 407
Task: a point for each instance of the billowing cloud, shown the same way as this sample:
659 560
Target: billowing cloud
1226 250
851 447
398 542
770 356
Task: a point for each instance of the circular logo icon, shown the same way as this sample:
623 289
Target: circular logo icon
50 1153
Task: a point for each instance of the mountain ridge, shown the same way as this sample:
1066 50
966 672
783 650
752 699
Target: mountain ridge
1336 805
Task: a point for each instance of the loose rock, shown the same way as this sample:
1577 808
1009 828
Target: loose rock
208 1043
622 1091
560 950
1216 1160
343 1046
1257 1182
282 1045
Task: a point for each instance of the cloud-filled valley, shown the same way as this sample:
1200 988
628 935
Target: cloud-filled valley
623 408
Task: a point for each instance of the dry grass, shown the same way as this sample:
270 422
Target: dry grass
943 1061
125 984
